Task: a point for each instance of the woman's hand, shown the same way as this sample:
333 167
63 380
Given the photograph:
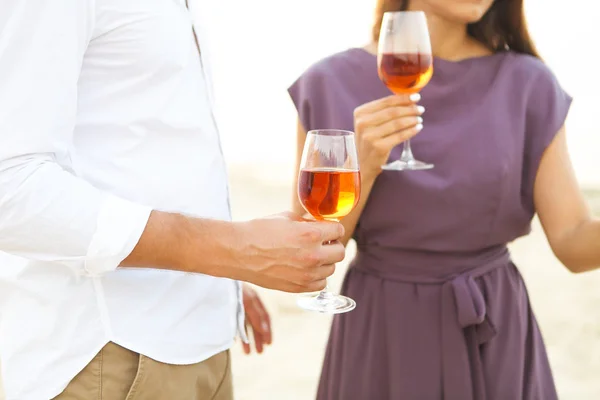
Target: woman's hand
257 320
383 124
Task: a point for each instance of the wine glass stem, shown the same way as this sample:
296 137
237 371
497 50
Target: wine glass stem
407 154
325 294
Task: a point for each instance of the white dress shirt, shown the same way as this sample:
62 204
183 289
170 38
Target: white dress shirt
105 114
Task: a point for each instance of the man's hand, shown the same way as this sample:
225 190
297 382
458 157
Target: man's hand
257 321
286 252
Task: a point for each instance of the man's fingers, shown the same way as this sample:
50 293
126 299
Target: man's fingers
332 253
314 286
328 231
317 286
321 273
301 281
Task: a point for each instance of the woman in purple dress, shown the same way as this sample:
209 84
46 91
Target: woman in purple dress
442 312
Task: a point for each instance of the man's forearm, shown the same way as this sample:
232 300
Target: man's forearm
174 242
282 252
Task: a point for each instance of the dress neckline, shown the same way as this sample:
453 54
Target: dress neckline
443 61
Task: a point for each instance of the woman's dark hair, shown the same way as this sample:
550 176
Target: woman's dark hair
503 27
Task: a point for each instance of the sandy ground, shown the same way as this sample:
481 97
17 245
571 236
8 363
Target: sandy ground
567 307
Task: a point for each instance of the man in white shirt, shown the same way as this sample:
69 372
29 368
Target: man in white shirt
124 267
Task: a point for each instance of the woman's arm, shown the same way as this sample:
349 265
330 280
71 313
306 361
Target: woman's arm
573 233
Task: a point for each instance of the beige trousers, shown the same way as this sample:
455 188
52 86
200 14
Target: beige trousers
119 374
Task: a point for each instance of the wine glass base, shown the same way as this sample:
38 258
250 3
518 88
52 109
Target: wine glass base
410 165
330 304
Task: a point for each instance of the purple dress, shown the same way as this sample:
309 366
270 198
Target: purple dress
442 312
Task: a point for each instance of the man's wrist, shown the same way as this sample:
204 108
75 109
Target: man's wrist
160 244
187 244
209 247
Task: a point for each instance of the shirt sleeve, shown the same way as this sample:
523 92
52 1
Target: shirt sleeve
46 212
547 105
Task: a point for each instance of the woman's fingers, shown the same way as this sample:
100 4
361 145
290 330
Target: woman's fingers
246 346
366 122
395 126
389 142
263 325
387 102
383 124
258 320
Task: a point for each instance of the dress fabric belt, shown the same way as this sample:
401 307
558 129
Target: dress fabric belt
464 320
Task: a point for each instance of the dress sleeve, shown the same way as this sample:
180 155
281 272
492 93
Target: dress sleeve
547 107
307 93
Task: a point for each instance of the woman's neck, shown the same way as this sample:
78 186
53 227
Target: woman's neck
449 39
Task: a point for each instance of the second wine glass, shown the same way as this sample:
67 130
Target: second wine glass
405 66
328 189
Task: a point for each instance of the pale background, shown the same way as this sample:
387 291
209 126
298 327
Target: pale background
262 46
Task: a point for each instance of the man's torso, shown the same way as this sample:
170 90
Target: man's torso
144 131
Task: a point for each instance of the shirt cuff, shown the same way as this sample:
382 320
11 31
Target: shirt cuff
119 227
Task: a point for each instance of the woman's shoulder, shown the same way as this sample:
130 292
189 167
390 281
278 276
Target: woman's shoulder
317 92
528 70
339 64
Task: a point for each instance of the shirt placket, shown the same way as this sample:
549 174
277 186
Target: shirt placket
240 315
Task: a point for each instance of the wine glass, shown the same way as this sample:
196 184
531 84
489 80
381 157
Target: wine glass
405 66
328 189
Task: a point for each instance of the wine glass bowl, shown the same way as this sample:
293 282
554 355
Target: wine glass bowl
405 66
328 194
328 189
405 73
